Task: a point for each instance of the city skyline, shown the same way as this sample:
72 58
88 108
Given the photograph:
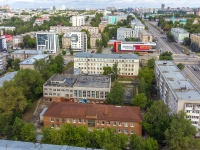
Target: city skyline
97 4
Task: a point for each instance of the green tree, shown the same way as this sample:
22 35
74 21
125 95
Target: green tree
71 52
170 37
15 64
17 127
142 86
181 66
151 144
30 81
105 39
156 120
107 70
187 41
166 56
180 134
136 142
60 36
115 70
147 74
151 63
63 52
116 95
28 133
140 100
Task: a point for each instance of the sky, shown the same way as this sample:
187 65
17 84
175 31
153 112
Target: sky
99 3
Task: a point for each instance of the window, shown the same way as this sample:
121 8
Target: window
108 123
68 120
97 94
91 123
88 93
132 131
101 94
126 124
74 120
114 123
52 119
57 125
120 123
57 119
52 125
119 130
63 120
102 122
132 124
79 120
80 93
125 131
84 121
75 93
84 93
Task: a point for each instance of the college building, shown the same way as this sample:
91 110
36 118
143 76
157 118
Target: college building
77 88
128 64
124 119
177 91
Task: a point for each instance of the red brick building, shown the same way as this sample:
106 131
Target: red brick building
124 119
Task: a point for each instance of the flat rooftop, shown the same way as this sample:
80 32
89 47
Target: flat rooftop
180 30
31 60
33 52
180 85
7 77
66 80
111 56
19 145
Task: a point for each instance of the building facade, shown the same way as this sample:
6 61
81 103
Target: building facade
128 64
123 33
179 34
94 117
16 41
77 41
65 29
3 62
145 37
102 26
23 54
3 44
78 20
47 42
93 39
177 91
77 88
195 38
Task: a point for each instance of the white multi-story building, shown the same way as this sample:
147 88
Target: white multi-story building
77 41
123 33
16 41
138 26
177 91
66 29
179 34
3 44
128 64
3 61
78 20
47 42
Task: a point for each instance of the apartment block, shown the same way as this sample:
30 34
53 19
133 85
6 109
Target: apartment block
78 20
66 29
93 39
145 37
16 41
123 33
179 34
177 91
77 41
124 119
3 44
3 61
47 42
77 88
195 38
128 64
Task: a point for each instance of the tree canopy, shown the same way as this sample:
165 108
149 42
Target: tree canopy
166 56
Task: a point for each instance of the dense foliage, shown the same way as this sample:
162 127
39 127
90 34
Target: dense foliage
96 20
79 136
166 56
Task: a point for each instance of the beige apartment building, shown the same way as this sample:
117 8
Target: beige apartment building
195 38
128 64
93 39
102 26
77 88
145 37
66 29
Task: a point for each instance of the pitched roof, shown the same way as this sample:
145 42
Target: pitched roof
97 111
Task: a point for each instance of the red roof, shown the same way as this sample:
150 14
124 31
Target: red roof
97 111
7 36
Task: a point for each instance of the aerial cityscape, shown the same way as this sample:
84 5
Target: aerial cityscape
99 75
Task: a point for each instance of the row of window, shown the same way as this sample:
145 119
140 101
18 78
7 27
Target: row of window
98 122
94 94
104 60
58 89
